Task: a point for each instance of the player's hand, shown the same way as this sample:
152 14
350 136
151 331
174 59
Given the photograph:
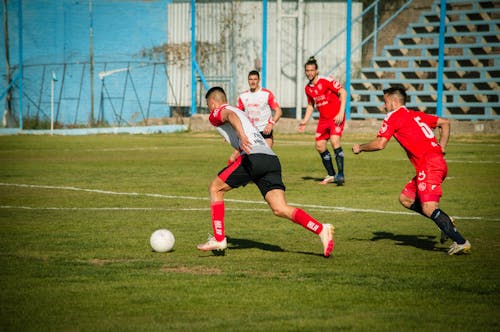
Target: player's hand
245 144
267 130
339 118
356 149
302 127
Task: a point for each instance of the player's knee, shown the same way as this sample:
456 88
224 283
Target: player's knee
406 201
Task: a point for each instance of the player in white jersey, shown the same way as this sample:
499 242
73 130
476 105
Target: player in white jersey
256 163
259 104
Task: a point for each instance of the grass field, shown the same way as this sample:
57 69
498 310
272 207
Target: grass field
76 214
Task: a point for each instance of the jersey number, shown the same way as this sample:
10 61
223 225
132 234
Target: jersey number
425 128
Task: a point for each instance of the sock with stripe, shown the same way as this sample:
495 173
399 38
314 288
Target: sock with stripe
218 220
301 217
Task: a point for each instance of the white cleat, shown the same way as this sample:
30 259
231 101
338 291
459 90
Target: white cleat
213 245
326 237
328 179
456 248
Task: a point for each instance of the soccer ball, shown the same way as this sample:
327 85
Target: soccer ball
162 240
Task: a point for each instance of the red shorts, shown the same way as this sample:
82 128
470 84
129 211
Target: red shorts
327 128
426 185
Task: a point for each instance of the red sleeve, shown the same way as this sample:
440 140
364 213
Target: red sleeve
240 104
273 103
215 117
310 100
335 86
388 127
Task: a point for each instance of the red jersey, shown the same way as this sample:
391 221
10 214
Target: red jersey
324 95
414 132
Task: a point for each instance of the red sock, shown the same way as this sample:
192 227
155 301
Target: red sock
300 217
218 219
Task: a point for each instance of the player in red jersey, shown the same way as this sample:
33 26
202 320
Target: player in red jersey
256 163
329 97
259 103
414 131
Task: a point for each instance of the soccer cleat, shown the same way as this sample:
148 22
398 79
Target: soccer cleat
326 237
213 245
339 179
328 179
444 237
456 248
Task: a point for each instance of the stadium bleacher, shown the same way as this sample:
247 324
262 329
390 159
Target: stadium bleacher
471 76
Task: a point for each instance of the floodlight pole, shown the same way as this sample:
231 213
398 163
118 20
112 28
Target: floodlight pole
348 61
442 27
20 20
54 79
264 43
193 57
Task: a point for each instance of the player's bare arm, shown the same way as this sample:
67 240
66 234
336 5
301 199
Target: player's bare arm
232 118
307 116
340 116
444 132
377 144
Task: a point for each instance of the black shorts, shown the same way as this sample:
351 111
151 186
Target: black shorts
263 169
270 135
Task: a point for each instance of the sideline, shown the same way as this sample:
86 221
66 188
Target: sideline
107 192
96 131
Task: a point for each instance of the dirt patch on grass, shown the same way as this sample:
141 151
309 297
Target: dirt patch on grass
192 270
101 262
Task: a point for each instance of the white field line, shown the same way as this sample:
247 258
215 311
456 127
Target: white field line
108 192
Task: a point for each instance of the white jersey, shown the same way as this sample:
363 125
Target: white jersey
227 131
258 106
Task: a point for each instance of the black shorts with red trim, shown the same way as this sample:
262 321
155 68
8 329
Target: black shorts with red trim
263 169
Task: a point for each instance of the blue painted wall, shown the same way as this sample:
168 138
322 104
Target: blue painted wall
57 32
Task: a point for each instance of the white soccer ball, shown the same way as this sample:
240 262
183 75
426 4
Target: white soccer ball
162 240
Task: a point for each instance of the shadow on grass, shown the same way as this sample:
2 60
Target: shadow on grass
424 242
310 178
248 244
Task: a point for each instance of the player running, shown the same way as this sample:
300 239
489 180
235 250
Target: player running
256 163
414 132
329 97
259 103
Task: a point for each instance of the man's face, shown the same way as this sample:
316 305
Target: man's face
210 104
311 72
253 82
388 102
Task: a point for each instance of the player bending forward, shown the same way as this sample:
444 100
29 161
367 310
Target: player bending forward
414 132
256 163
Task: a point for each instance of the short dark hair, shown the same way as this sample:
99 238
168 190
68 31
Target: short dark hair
312 61
396 90
217 92
254 72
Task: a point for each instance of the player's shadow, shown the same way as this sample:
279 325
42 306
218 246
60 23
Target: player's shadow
310 178
424 242
235 243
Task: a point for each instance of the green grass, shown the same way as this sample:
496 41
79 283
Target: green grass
79 260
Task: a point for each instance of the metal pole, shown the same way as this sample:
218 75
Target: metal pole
8 96
264 43
375 30
299 69
52 104
20 15
348 61
193 57
442 22
91 51
277 87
